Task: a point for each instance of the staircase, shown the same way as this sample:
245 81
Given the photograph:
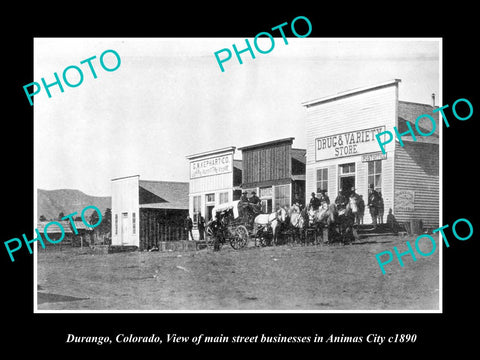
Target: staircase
368 230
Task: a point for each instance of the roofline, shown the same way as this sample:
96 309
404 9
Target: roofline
350 92
124 177
163 181
267 143
211 152
417 103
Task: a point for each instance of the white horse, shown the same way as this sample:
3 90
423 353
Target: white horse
319 216
272 220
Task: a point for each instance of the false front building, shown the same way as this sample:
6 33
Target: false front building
343 152
146 213
215 178
275 171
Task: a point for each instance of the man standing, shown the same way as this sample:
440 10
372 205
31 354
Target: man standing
341 201
201 226
324 197
314 202
189 226
380 207
373 204
353 201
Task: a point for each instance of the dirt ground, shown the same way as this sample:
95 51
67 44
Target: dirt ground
315 277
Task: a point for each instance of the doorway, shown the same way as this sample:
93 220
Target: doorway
346 185
208 213
124 229
346 178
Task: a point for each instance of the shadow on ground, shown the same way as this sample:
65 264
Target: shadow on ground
49 298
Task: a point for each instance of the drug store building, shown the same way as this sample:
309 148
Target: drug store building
342 151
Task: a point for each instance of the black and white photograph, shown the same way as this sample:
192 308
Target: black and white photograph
234 180
280 174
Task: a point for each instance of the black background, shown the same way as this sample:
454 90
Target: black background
24 331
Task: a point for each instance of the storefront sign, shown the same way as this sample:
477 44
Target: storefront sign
404 200
347 144
213 166
373 157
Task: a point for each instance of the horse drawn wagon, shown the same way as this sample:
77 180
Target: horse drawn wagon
236 224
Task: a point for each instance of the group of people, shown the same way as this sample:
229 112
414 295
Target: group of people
375 203
250 206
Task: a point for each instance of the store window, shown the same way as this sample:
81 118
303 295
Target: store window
282 195
347 169
196 208
210 198
223 197
322 179
265 195
375 174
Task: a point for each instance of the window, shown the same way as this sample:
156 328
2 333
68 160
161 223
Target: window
210 198
375 174
322 179
133 224
116 224
223 198
347 169
196 208
282 195
265 192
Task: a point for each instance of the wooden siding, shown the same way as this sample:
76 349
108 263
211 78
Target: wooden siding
211 183
417 169
266 164
125 199
355 112
161 225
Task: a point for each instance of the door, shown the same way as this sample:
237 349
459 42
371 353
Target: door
208 213
346 185
124 229
267 206
346 178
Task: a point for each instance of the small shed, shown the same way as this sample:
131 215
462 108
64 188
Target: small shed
54 232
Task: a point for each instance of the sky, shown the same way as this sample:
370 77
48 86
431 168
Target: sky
169 99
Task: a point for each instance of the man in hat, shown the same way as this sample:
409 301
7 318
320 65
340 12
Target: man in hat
256 202
341 201
188 224
314 202
354 199
324 197
201 226
373 202
244 206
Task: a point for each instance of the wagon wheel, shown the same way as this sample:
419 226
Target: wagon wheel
240 238
262 237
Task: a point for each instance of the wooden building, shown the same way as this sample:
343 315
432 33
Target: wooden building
215 178
70 239
275 171
145 213
342 151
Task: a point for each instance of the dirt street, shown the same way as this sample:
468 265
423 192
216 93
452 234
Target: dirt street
271 278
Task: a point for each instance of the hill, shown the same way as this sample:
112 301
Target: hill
50 203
